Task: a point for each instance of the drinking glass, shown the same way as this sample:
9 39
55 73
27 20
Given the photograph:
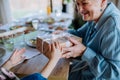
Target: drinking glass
8 42
19 40
35 23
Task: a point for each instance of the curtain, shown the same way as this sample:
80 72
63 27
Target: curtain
5 13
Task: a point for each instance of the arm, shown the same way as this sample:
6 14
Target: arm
81 32
49 67
107 62
56 52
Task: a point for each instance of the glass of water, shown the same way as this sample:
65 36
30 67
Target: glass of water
19 39
8 42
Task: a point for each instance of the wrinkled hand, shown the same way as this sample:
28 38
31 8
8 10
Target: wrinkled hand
55 50
17 57
74 51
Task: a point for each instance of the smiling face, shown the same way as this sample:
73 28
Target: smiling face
90 9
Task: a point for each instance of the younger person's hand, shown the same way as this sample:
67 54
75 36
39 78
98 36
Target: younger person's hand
15 59
54 54
55 50
17 56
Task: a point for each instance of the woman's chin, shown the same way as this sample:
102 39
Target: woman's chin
86 18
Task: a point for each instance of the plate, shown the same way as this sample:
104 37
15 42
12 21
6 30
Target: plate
2 30
15 27
49 20
31 43
2 52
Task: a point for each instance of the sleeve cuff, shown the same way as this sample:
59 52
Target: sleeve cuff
88 55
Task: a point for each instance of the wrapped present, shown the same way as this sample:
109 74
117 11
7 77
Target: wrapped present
44 42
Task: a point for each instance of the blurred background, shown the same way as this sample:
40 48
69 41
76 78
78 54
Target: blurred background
12 10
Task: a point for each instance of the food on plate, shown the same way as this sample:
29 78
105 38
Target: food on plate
33 41
49 20
15 27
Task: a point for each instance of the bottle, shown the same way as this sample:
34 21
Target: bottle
48 8
64 4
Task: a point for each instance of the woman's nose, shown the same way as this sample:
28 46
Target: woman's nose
80 8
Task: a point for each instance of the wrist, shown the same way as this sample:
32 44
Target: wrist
83 50
8 65
49 67
55 59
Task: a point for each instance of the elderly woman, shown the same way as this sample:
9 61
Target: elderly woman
100 48
17 57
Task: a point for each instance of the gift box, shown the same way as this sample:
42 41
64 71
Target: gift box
43 42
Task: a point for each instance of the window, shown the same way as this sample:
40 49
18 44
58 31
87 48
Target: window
5 13
15 9
21 8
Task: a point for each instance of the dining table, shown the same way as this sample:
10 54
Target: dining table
35 60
